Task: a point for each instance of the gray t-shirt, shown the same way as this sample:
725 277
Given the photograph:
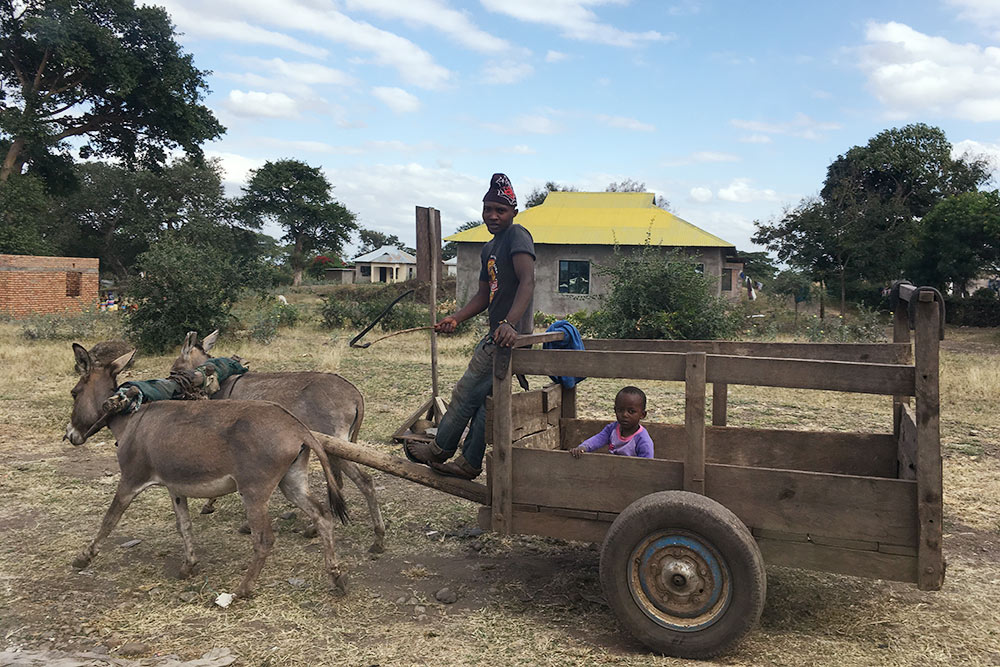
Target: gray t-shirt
498 271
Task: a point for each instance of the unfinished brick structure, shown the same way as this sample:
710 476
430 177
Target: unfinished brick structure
36 285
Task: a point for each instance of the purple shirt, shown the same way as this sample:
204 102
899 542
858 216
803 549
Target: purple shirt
637 444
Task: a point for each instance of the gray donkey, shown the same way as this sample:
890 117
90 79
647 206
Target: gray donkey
325 402
204 449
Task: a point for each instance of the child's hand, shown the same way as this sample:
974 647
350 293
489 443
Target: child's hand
576 451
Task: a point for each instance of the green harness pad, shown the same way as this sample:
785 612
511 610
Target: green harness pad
165 390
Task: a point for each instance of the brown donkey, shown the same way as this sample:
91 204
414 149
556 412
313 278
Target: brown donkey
204 449
325 402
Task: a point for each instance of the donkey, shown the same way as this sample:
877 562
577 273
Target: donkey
325 402
204 449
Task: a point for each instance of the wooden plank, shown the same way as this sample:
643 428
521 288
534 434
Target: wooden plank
840 506
928 420
568 402
527 414
547 439
606 516
720 403
559 527
551 397
897 549
694 422
502 435
906 452
858 545
434 252
809 556
518 507
527 340
763 533
864 378
900 336
573 514
862 454
421 474
885 353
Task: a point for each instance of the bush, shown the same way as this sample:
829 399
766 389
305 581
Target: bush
86 324
181 288
982 309
657 296
865 326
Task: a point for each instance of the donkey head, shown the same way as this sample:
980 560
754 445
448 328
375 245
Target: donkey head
193 353
97 383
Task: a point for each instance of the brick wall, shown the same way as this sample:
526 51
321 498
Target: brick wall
34 285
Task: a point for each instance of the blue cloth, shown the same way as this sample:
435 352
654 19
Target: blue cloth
571 341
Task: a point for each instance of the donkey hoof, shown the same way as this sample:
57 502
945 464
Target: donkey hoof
244 529
208 509
340 585
310 532
81 561
376 548
187 569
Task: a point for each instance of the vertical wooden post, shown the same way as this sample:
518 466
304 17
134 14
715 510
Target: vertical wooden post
568 403
694 422
930 563
502 468
720 400
434 236
900 334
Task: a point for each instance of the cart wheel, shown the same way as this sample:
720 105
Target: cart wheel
683 574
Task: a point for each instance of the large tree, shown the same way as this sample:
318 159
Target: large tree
298 197
105 72
631 185
371 239
538 195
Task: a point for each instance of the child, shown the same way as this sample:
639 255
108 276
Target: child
625 437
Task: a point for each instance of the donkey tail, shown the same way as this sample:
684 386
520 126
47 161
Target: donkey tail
337 503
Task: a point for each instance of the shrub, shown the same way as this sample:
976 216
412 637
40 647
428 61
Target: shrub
865 326
86 324
982 309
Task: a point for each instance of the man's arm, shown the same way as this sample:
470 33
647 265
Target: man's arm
477 304
524 269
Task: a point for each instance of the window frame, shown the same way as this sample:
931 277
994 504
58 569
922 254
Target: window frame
559 276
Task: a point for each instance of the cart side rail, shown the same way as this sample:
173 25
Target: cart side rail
885 353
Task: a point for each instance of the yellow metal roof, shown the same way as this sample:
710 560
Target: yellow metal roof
602 218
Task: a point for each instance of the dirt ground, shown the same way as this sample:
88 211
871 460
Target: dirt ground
520 600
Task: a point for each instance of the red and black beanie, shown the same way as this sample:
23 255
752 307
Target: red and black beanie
501 191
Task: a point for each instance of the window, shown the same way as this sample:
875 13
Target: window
73 279
700 268
574 277
366 271
727 280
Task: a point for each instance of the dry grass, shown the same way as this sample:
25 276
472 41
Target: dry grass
522 601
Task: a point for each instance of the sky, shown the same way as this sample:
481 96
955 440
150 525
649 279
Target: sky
732 110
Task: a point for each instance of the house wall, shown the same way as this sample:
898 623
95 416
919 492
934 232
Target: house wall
548 299
38 285
395 273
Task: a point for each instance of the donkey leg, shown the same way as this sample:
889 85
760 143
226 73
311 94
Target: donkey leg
209 507
183 517
123 497
367 487
295 486
263 539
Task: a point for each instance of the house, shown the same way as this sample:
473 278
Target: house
341 275
39 285
451 266
388 264
575 232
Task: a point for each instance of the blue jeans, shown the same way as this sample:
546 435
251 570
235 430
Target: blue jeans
468 402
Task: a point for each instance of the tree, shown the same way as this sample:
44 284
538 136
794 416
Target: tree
758 265
103 70
297 197
373 240
538 195
957 240
23 207
450 249
630 185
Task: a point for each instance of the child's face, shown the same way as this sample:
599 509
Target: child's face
629 410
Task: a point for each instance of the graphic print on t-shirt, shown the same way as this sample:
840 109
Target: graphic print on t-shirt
491 270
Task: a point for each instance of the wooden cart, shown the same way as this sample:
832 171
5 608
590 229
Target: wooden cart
685 535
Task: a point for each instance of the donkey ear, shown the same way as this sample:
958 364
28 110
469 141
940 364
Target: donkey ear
121 363
209 341
84 361
190 341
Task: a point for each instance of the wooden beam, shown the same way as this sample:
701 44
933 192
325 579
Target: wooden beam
421 474
906 451
527 340
861 454
900 336
811 556
502 474
568 405
585 363
720 403
694 422
928 420
884 353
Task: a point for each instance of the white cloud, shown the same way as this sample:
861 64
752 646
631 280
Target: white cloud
388 49
397 99
701 195
756 139
574 20
740 191
556 56
984 13
526 124
364 148
438 15
970 148
309 74
235 169
912 73
626 123
701 157
266 105
506 73
801 126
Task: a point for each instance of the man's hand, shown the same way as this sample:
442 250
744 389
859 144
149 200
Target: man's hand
505 335
447 325
577 451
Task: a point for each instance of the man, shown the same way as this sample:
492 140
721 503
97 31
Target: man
506 288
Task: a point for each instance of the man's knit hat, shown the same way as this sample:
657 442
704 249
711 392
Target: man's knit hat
501 191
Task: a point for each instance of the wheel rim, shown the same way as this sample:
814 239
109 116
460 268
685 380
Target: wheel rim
679 580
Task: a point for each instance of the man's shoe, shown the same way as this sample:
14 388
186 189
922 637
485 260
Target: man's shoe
458 468
427 453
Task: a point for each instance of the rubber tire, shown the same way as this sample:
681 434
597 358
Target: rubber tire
716 525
